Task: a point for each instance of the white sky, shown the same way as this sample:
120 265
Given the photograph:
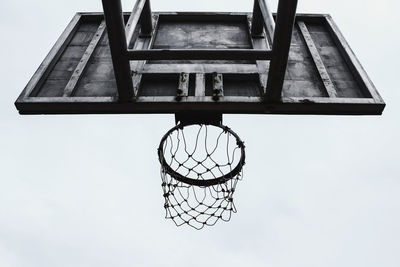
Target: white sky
85 190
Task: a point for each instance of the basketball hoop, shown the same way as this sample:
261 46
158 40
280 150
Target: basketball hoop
200 167
200 66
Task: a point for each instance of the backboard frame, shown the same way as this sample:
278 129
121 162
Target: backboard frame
29 104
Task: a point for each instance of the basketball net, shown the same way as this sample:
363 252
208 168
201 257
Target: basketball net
200 167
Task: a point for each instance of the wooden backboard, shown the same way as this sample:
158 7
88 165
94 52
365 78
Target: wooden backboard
323 75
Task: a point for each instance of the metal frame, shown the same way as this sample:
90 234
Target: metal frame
226 105
30 103
121 37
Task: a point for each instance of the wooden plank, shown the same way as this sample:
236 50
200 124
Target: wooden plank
142 99
262 66
226 99
200 89
136 80
96 16
200 68
118 47
280 49
203 16
200 54
227 104
327 100
323 73
136 65
231 105
133 21
51 59
203 35
241 85
80 69
352 61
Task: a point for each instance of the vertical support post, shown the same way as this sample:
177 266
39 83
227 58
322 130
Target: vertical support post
146 22
118 47
257 25
262 18
280 49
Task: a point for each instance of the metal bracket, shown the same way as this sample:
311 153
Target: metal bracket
188 118
183 87
218 86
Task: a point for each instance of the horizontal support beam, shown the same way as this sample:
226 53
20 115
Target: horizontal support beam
200 68
199 54
198 99
227 104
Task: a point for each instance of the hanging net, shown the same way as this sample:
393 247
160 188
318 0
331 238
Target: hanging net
200 167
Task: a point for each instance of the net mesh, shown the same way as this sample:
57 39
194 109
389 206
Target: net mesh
200 168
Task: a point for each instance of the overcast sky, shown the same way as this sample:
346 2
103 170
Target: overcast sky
86 191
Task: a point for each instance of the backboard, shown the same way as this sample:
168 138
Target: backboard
211 62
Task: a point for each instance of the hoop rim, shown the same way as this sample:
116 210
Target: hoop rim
210 182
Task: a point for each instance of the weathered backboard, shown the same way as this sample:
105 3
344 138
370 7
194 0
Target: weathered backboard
323 75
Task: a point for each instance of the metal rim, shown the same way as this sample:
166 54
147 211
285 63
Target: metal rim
219 180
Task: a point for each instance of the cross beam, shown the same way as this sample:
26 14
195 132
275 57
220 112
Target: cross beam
200 54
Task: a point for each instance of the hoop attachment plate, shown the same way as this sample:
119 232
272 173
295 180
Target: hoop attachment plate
207 118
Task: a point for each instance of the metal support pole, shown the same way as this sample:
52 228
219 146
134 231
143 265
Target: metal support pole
146 22
118 47
257 25
280 49
262 18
